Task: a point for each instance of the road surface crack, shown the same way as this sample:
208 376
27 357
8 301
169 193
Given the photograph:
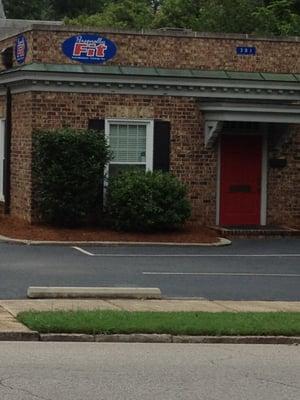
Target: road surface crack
266 380
216 361
276 382
10 387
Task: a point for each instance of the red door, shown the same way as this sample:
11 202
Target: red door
240 197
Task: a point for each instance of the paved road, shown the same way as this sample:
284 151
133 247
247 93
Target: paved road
247 270
76 371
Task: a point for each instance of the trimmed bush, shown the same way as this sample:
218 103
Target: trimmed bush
67 172
151 201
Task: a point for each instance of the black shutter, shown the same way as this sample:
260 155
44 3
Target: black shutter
161 151
97 124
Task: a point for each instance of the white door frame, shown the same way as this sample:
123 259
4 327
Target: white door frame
264 178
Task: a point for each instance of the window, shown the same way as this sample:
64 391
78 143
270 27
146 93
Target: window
2 152
131 143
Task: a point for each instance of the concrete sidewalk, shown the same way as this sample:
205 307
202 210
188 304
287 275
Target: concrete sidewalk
14 307
9 324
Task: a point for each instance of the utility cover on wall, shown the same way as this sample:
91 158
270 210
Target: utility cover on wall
89 48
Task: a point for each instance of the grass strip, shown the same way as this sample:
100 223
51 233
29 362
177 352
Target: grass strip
176 323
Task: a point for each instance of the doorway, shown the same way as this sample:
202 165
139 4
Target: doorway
241 179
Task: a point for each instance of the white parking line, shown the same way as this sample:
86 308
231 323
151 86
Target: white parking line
182 255
87 253
220 274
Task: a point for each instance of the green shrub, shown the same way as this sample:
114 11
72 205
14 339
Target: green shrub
67 172
150 201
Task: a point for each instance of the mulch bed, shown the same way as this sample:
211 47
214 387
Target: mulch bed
18 229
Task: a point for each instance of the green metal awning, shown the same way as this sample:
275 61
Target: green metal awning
222 96
155 72
265 88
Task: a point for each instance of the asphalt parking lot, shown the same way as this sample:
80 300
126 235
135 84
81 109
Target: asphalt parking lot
265 269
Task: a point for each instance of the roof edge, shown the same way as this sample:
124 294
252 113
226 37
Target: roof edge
59 26
181 73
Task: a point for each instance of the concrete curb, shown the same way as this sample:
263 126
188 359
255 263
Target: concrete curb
165 338
238 339
5 239
65 337
148 338
93 293
26 336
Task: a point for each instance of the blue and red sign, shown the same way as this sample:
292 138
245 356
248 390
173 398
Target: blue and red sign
21 49
89 49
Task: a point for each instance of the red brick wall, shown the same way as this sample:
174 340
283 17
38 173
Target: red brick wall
208 53
189 160
172 51
21 155
284 183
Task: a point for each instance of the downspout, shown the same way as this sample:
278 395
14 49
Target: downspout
7 62
7 145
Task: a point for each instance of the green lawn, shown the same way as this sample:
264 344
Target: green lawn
176 323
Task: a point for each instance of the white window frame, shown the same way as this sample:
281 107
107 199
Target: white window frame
2 158
149 140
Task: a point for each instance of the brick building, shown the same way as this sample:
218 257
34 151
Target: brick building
219 112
